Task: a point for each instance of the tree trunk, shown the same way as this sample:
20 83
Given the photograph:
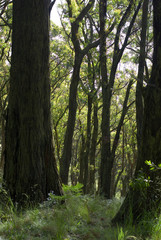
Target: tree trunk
81 159
93 149
30 171
67 150
3 122
105 169
88 141
79 54
151 136
139 86
107 157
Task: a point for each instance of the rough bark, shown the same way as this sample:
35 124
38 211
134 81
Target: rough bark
30 168
105 168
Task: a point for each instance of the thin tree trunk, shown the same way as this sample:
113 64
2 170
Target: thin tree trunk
79 54
2 121
88 141
2 143
81 160
67 150
92 156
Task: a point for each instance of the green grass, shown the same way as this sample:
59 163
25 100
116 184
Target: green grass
79 218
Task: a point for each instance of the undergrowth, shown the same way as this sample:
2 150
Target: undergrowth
79 218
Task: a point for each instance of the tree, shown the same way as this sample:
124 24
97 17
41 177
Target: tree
108 151
30 166
89 86
105 177
79 54
139 86
61 60
5 48
151 137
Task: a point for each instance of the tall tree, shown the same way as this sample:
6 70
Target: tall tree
92 155
151 135
105 177
139 86
5 36
79 55
30 167
108 151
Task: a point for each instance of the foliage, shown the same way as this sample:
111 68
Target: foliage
141 182
153 166
79 217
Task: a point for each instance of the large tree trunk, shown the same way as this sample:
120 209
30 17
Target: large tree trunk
105 169
139 86
30 167
151 136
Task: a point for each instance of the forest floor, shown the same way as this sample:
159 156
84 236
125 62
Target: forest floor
78 218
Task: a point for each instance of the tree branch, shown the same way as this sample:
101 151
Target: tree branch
97 42
51 6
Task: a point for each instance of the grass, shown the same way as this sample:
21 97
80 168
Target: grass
79 218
